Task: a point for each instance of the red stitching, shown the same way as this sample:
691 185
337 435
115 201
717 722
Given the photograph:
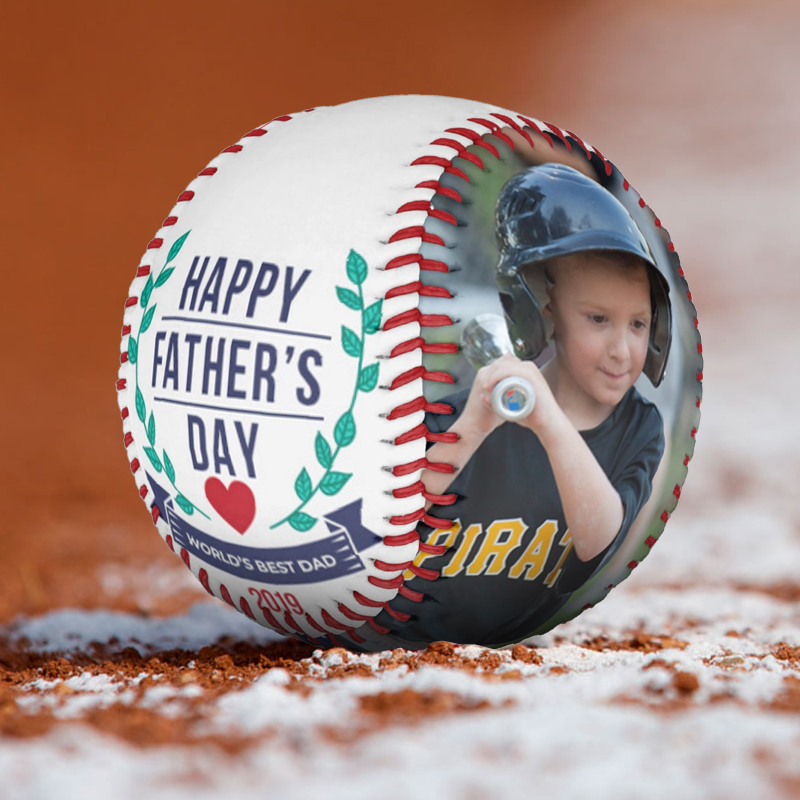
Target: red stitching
516 126
245 606
421 431
350 614
433 549
414 315
461 151
401 539
416 516
531 124
410 594
314 624
476 139
425 264
436 161
365 601
384 583
420 404
420 372
416 232
439 189
289 619
385 566
272 621
560 135
418 287
379 628
332 623
494 128
421 463
202 576
426 574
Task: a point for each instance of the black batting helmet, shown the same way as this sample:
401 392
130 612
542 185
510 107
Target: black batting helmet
553 210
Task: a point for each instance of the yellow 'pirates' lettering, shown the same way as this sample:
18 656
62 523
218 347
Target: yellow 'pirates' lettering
445 536
566 543
456 564
495 550
535 555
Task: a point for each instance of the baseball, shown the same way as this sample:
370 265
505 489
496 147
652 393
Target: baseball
300 417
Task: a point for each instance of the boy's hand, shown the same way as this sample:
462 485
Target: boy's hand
480 416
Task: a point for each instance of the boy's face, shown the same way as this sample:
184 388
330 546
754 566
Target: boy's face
601 317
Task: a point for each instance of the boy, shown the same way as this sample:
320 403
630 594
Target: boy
540 504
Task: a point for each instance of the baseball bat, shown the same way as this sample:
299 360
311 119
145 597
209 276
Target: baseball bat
484 340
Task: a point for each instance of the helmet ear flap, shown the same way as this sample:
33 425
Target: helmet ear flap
524 319
660 329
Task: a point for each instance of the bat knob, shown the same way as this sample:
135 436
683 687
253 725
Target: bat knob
513 399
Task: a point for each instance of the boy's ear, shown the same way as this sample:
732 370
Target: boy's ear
547 309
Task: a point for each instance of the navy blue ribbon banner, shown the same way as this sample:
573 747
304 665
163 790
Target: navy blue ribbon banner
313 562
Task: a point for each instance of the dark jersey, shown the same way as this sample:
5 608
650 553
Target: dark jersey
510 563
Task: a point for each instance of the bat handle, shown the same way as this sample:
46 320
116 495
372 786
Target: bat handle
513 399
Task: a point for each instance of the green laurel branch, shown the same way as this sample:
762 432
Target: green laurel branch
162 463
332 482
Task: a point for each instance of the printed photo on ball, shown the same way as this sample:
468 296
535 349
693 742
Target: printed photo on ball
556 420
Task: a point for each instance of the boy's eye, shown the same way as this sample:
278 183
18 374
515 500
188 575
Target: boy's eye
640 324
598 318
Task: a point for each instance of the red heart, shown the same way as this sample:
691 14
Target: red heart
236 504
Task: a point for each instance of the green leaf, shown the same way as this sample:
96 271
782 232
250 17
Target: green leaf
185 505
345 430
372 317
302 522
133 350
349 298
148 288
350 342
168 468
141 409
163 275
147 319
333 482
151 429
175 249
323 451
356 268
302 485
153 456
368 379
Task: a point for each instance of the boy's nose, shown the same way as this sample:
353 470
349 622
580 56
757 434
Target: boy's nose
618 347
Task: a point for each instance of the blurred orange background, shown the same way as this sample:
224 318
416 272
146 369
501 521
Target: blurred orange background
110 110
